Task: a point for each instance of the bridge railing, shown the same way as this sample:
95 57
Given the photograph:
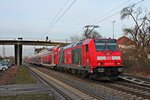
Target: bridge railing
36 39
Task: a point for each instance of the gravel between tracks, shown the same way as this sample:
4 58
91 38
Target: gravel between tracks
70 92
102 91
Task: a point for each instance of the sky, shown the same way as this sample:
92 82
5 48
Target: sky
33 19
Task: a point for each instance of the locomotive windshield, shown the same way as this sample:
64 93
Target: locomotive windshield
106 45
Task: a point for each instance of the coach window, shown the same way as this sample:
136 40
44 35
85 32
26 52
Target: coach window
86 47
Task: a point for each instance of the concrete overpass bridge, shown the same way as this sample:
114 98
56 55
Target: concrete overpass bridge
18 44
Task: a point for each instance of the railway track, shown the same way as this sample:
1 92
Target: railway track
132 85
134 90
135 80
104 90
66 91
138 92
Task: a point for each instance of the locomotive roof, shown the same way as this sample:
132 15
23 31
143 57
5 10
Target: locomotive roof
106 40
73 44
86 41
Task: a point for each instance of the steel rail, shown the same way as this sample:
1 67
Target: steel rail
65 87
134 80
115 86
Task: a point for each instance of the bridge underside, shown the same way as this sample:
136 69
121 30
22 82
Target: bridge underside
18 44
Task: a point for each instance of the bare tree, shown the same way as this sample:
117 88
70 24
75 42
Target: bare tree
94 34
74 38
140 32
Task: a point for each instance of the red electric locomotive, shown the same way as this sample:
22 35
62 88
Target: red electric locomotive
97 58
92 57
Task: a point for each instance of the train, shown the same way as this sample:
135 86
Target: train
94 58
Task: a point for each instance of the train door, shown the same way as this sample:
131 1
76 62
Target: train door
84 54
53 59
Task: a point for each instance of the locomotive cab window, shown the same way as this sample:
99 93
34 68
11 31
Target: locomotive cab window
100 46
112 46
106 45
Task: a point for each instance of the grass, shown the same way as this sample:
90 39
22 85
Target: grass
23 76
28 97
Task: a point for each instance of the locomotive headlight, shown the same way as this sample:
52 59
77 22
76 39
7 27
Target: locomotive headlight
101 57
116 58
118 63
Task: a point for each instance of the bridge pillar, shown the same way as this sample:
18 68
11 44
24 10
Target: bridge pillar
18 54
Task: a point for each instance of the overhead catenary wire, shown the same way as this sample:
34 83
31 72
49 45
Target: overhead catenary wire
109 11
106 13
59 12
62 14
107 17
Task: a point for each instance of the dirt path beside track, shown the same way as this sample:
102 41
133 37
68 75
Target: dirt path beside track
7 76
